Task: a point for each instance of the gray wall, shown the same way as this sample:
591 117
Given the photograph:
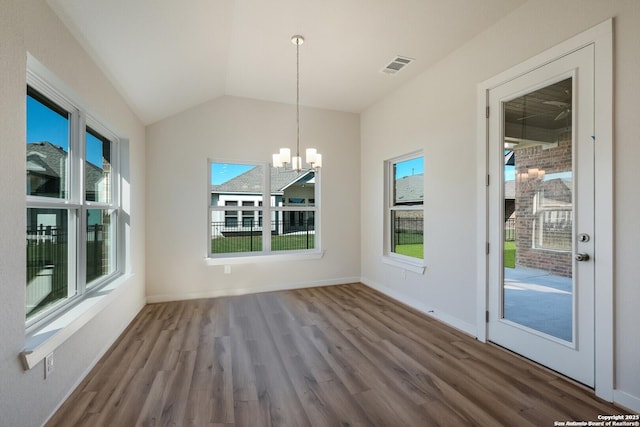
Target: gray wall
240 129
26 398
436 112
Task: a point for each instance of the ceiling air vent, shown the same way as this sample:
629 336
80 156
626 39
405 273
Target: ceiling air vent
397 64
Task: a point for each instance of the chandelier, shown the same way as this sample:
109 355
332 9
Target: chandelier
283 158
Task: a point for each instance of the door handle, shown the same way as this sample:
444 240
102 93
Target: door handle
582 257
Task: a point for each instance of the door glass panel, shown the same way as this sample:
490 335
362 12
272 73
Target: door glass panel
537 290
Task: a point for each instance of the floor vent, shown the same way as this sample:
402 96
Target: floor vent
397 64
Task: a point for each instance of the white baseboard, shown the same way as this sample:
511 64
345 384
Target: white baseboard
627 400
216 293
465 327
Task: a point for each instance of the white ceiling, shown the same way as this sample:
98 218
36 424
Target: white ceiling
166 56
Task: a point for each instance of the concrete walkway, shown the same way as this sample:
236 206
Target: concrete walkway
539 300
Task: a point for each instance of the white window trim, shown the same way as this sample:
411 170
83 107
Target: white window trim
266 255
47 330
54 333
389 257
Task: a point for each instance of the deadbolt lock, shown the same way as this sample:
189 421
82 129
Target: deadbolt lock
584 237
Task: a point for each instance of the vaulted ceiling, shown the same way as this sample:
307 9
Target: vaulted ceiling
166 56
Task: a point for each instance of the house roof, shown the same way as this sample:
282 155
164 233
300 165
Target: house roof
251 181
410 189
510 189
46 158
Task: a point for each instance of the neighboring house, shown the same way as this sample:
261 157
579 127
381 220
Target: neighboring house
509 199
46 172
288 188
509 188
410 190
46 166
543 207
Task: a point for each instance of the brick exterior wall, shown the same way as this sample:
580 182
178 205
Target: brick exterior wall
552 253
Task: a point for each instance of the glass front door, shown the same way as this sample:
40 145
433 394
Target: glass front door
541 210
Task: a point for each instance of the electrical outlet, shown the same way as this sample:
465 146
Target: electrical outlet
48 365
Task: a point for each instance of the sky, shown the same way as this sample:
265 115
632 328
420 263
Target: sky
44 124
410 167
223 172
509 173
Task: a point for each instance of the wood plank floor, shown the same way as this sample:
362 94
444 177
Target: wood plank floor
339 355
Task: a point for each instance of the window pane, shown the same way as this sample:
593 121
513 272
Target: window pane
553 229
238 211
407 233
231 217
291 188
229 236
101 227
408 182
97 168
47 147
231 178
292 230
48 255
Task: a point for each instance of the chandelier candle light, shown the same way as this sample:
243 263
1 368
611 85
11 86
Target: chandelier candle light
283 158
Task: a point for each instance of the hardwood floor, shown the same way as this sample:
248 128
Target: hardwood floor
339 355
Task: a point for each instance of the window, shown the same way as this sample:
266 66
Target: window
256 209
404 201
230 217
72 202
553 212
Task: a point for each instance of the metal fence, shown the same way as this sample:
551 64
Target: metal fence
294 233
48 262
47 265
408 230
510 230
97 251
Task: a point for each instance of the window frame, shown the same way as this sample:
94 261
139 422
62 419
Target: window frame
265 211
389 256
540 210
81 120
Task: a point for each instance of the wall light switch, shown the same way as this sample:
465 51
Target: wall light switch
227 269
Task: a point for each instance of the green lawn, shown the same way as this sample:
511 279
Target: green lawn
299 241
287 242
510 254
413 250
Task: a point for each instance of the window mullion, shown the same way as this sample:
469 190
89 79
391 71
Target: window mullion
267 210
78 153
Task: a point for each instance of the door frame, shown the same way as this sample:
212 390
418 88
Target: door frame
601 37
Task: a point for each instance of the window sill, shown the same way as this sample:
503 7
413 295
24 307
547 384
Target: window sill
52 335
258 259
405 265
